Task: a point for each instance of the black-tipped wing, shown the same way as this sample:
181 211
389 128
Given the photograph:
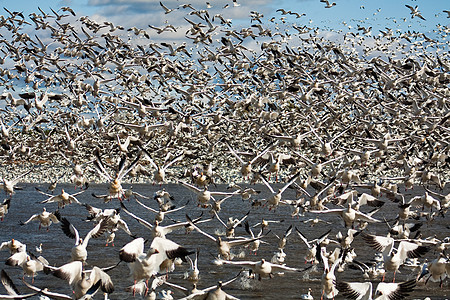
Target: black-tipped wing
69 229
9 285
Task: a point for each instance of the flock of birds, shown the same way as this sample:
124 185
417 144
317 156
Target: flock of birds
349 125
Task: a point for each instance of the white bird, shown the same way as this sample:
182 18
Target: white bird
307 296
62 199
79 251
246 166
82 281
349 215
13 246
160 214
254 246
426 201
328 5
317 168
45 218
9 185
275 199
415 12
262 268
143 265
214 292
392 261
313 246
283 240
142 288
294 140
115 189
32 265
204 195
278 257
194 272
156 229
224 247
166 10
114 222
328 278
437 270
384 291
231 226
46 294
159 176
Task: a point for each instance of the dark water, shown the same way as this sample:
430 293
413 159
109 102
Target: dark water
56 246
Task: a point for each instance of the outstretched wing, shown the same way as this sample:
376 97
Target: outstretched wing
69 230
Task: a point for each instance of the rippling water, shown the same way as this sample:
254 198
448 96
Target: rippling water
56 246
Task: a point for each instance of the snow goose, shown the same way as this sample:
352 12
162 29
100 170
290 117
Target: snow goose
262 268
254 246
275 163
349 215
307 296
223 246
156 229
347 240
13 246
283 240
316 168
9 185
79 251
50 295
128 193
294 140
142 288
17 259
326 145
329 289
159 176
363 290
372 271
392 261
162 196
115 189
201 294
246 167
211 293
29 263
39 248
443 199
229 228
437 270
62 199
143 265
45 218
278 257
32 265
311 252
204 195
160 214
245 193
81 281
114 222
216 205
275 199
425 201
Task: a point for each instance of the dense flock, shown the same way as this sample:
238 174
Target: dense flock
348 119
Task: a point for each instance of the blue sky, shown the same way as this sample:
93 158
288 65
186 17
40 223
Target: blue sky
140 13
